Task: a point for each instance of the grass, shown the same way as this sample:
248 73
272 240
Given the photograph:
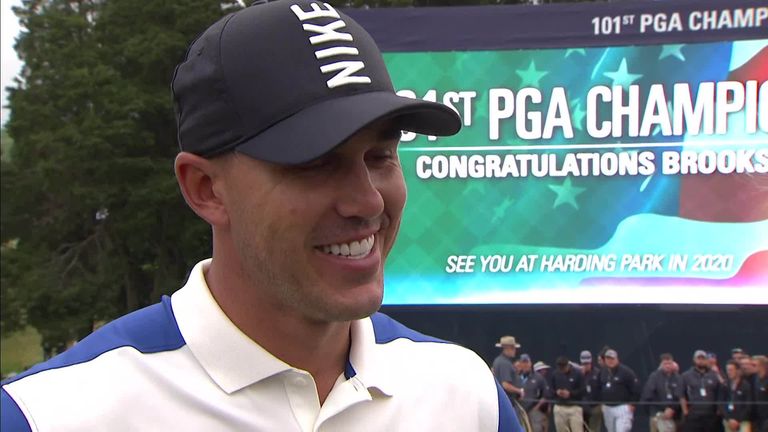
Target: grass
20 350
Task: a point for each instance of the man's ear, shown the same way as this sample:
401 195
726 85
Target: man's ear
196 176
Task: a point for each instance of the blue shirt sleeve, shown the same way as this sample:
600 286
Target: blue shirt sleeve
508 421
12 420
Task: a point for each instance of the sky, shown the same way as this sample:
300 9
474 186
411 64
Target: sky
11 65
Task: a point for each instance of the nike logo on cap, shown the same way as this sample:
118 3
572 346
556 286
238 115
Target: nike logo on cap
322 34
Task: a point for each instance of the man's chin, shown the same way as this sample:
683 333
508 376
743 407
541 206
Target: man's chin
354 308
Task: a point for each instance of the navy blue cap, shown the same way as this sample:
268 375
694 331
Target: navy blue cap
286 82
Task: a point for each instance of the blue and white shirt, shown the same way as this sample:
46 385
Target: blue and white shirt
183 365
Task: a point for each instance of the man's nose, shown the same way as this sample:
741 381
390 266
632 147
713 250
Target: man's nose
359 194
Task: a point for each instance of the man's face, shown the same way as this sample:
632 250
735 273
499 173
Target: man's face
747 365
761 368
701 362
611 362
313 238
586 367
509 350
732 372
525 366
668 366
711 362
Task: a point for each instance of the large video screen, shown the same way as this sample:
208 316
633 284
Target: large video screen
616 174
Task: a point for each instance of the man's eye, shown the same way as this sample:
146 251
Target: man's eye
382 155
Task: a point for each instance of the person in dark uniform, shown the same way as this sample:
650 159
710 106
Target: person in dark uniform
619 389
761 395
535 394
568 387
737 401
700 397
662 392
593 413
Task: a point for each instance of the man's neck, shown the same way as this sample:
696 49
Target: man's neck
320 348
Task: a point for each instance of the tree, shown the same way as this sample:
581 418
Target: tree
89 195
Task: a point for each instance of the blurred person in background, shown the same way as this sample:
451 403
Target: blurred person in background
737 401
504 367
535 394
593 413
662 392
761 395
568 386
737 354
619 389
714 367
700 397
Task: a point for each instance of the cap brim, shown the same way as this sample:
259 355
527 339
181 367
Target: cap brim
317 129
498 345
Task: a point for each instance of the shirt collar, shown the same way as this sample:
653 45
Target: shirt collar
364 358
231 359
234 361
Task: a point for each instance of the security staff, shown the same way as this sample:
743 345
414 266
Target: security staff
737 405
619 389
535 394
701 394
662 391
593 412
761 395
568 388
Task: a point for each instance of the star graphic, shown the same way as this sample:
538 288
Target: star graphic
672 51
622 77
499 210
566 193
530 77
578 114
570 51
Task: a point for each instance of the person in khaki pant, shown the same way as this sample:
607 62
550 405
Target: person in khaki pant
568 387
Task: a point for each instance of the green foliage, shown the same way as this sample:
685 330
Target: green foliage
93 225
21 350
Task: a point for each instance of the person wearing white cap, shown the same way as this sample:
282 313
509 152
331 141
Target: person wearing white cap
700 397
619 390
504 367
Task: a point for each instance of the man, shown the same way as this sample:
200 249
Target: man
535 394
593 414
619 389
748 372
568 387
761 395
737 354
737 401
662 394
700 397
288 126
504 367
714 367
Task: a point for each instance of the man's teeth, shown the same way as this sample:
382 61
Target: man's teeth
354 250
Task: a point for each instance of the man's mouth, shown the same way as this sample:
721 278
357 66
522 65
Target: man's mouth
353 250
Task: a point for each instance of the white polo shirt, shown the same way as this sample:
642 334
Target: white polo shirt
183 365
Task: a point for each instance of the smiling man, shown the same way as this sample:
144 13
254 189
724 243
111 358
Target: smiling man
288 126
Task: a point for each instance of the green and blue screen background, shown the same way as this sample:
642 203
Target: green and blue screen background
684 215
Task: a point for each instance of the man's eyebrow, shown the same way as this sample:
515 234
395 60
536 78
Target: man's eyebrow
389 133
